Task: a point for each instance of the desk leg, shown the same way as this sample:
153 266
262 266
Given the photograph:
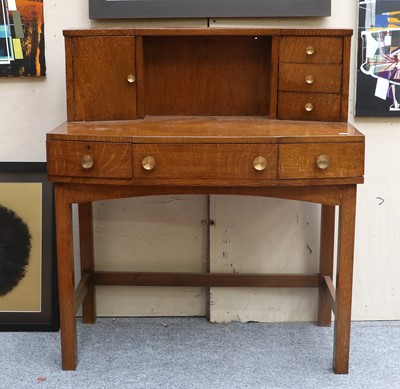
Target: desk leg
87 260
344 281
66 279
326 263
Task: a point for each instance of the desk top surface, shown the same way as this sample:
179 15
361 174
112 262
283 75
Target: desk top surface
190 31
216 129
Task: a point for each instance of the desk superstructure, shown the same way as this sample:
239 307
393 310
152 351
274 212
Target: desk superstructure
259 112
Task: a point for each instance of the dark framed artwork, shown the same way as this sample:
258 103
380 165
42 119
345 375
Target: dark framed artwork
22 51
28 273
123 9
378 66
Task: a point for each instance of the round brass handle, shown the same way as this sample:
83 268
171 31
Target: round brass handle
131 78
310 79
310 50
323 162
148 163
309 107
260 163
87 161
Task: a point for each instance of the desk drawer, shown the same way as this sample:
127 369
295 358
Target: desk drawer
311 49
310 78
89 159
323 160
309 106
201 161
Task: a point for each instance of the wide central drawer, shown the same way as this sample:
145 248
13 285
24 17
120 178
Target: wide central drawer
205 161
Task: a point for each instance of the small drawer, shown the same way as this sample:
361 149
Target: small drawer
89 159
309 106
201 161
323 160
311 49
310 78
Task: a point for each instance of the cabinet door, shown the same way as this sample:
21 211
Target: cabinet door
103 78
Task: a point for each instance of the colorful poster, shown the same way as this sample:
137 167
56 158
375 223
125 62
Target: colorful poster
378 76
22 38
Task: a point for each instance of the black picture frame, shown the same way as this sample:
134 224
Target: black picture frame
139 9
46 318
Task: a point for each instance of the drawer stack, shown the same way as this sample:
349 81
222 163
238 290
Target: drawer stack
310 78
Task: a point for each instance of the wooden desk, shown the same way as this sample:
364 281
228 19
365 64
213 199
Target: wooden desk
185 137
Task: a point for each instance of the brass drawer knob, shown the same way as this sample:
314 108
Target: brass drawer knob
310 79
309 107
310 50
260 163
131 78
148 163
323 162
87 161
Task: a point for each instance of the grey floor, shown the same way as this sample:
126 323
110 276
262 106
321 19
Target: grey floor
193 353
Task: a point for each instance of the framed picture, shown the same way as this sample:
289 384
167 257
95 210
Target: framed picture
123 9
378 67
22 38
28 273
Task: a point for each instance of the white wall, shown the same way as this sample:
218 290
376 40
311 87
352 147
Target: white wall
250 234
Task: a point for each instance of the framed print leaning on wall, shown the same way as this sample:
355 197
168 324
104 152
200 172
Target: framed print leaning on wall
28 287
378 66
22 38
123 9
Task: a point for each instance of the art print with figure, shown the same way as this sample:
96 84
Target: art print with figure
22 51
20 246
378 67
28 288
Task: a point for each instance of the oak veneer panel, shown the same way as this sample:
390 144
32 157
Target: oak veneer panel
206 31
273 99
194 161
69 78
316 32
86 249
99 32
300 160
207 75
231 31
139 77
100 69
197 129
344 281
326 106
327 49
111 160
345 78
327 78
207 279
326 263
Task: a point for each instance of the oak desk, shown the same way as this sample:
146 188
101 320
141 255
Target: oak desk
166 130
